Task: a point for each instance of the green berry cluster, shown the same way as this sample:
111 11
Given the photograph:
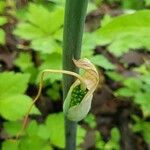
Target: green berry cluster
77 95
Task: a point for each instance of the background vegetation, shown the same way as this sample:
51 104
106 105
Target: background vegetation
116 40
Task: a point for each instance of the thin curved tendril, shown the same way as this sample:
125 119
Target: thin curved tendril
40 90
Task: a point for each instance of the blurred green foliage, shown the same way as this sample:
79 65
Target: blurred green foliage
39 32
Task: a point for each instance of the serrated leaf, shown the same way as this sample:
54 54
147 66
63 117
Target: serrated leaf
40 28
45 19
14 107
102 61
121 33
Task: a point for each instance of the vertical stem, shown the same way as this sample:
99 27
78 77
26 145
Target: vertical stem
75 12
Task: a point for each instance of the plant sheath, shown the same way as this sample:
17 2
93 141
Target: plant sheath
75 12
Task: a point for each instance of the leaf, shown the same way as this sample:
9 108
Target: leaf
28 32
13 103
3 20
46 45
9 145
121 33
42 132
33 143
102 61
134 84
143 100
24 61
16 83
90 120
115 76
115 135
89 42
40 28
146 131
52 61
55 126
2 37
12 127
14 107
2 6
45 19
125 92
32 128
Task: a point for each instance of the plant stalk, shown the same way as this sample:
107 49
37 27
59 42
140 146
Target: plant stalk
75 12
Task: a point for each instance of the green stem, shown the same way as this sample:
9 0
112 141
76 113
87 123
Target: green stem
75 12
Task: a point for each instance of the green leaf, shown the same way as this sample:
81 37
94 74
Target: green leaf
10 145
90 41
125 92
54 91
3 20
134 84
42 132
107 18
2 6
132 4
12 127
146 131
143 100
115 135
143 127
115 76
32 128
102 61
55 124
40 28
52 61
28 32
13 103
24 61
45 19
121 33
16 83
2 37
90 120
32 143
14 107
46 45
